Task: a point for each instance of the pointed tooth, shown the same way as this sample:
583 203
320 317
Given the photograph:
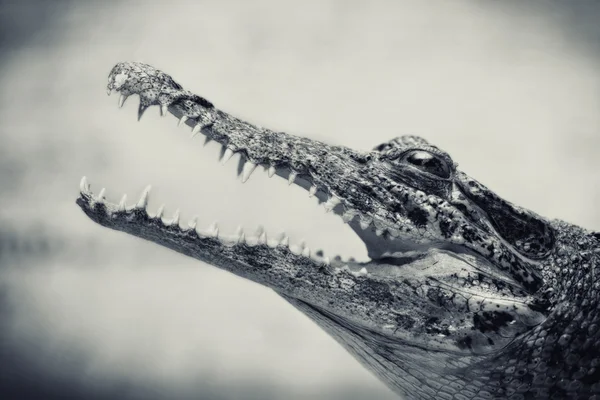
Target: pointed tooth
141 110
292 177
84 186
348 215
175 220
331 203
247 171
182 120
163 110
143 201
122 99
239 231
326 260
227 155
101 195
262 239
313 189
193 222
108 91
213 230
123 203
160 211
196 130
259 230
285 240
306 252
206 141
271 171
379 232
242 238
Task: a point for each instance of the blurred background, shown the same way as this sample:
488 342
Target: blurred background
510 89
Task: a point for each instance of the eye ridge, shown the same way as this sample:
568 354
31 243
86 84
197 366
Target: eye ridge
426 162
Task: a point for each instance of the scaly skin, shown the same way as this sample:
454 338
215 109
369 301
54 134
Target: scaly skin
466 296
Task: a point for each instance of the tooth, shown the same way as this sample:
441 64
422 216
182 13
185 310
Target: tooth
228 154
160 211
348 215
196 130
122 99
213 230
379 232
313 189
193 222
182 120
141 110
331 203
292 177
365 222
108 91
306 252
239 234
143 201
326 261
285 240
239 231
259 230
84 187
262 239
101 196
123 203
206 141
242 238
271 171
163 110
248 169
175 220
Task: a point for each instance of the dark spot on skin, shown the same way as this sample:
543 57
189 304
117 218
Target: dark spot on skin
445 228
491 321
469 234
417 216
465 343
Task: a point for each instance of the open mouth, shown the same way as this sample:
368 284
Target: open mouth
400 243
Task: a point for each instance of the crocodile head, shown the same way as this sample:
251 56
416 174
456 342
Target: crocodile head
461 285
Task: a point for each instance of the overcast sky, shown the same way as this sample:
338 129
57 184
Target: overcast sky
510 89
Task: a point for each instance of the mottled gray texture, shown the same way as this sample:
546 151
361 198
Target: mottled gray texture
466 296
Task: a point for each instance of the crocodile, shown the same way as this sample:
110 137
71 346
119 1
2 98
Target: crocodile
464 296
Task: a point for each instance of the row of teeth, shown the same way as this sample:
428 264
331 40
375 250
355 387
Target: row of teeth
238 237
249 167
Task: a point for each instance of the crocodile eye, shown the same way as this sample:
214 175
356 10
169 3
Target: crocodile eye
427 162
